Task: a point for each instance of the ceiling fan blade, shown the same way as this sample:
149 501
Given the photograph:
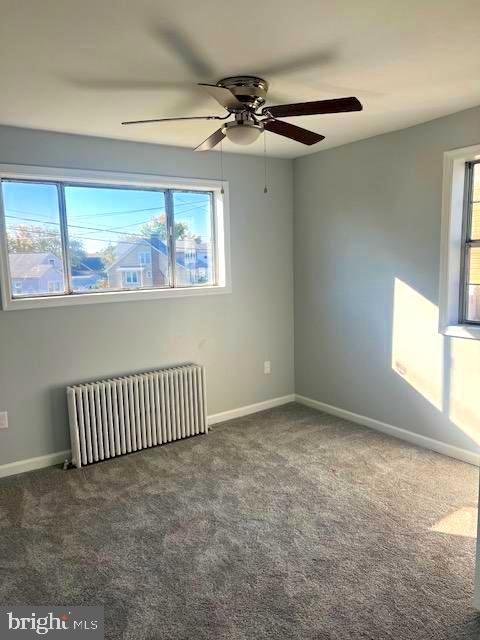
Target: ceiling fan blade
107 84
224 96
183 46
211 141
293 132
337 105
314 59
175 119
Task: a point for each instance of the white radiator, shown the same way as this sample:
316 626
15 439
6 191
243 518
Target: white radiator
109 418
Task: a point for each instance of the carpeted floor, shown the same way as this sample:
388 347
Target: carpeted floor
289 524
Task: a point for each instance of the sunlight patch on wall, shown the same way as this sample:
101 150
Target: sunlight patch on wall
462 522
465 386
417 347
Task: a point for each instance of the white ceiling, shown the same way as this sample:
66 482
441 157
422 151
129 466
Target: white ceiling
408 61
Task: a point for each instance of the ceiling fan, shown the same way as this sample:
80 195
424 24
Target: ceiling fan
244 97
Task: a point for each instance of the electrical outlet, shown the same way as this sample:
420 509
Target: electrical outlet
267 367
3 420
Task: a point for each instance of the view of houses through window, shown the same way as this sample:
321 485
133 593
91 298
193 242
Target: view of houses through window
67 238
471 270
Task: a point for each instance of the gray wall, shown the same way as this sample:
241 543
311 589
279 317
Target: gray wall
367 247
367 238
43 350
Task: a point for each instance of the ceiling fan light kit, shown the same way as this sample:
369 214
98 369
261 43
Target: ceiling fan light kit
244 97
243 131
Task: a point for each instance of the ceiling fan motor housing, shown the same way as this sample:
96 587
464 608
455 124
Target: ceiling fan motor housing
250 90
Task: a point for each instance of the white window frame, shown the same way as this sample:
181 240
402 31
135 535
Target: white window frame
221 237
452 239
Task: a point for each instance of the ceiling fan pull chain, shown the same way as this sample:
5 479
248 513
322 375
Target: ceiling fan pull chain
221 166
265 189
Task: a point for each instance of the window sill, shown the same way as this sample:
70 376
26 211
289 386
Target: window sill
468 331
111 296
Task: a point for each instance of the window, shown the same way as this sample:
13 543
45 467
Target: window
132 278
72 236
470 274
33 236
144 258
459 300
112 228
194 239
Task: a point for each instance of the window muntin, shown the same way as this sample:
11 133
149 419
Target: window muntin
470 298
95 226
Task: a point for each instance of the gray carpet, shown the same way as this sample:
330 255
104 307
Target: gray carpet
289 524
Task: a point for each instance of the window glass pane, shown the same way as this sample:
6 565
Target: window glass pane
194 256
474 266
476 182
475 222
475 226
117 238
473 285
473 303
32 223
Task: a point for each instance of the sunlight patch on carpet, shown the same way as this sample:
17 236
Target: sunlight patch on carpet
462 522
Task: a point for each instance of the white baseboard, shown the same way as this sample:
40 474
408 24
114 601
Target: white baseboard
21 466
414 438
50 459
216 418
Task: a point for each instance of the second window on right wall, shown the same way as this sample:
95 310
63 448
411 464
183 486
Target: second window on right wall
470 273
